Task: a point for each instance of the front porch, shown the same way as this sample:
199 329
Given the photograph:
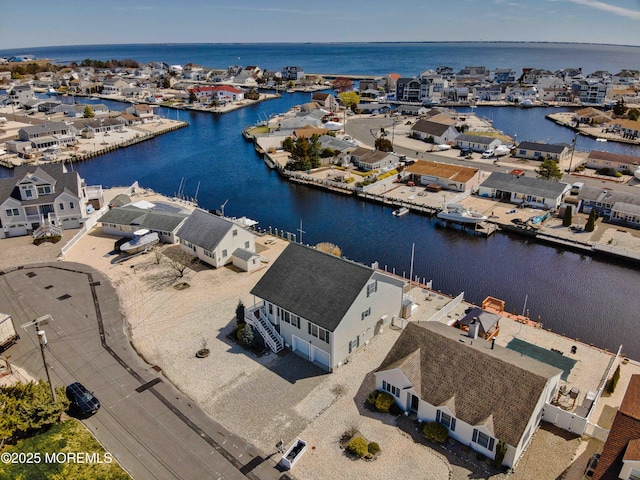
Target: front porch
257 317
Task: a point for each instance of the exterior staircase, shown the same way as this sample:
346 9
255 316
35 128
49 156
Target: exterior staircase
256 317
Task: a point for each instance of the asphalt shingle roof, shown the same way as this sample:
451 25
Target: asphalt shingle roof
159 221
51 174
521 184
204 229
541 147
312 284
498 388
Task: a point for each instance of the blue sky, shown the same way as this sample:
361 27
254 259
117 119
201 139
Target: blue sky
76 22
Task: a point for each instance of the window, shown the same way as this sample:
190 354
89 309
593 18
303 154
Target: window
353 344
61 205
387 387
270 309
246 244
28 193
286 317
44 189
366 313
483 439
372 288
446 420
71 205
318 332
295 321
235 233
12 212
224 253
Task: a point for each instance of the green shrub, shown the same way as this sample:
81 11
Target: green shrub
239 332
436 432
501 451
613 381
384 402
371 399
358 446
373 448
394 409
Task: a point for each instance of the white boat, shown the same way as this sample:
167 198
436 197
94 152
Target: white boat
401 211
601 139
637 174
455 212
142 240
52 92
501 150
526 103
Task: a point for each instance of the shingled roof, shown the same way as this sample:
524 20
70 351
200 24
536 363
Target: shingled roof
522 184
498 388
312 284
55 175
623 436
204 229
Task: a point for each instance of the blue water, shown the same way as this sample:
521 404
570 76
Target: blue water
407 59
576 295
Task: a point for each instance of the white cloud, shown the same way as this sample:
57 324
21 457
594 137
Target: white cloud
623 12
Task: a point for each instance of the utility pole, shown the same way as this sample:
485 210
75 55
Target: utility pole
42 340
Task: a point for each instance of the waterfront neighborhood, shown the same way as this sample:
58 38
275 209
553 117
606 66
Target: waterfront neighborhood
258 355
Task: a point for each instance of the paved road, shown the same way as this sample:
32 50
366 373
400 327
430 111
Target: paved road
153 430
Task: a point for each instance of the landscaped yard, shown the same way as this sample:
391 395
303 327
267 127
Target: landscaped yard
67 450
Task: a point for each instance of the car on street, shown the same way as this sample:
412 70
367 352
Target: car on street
82 400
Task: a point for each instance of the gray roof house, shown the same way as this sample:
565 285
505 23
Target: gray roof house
323 307
523 190
477 143
483 393
615 206
540 151
214 239
125 220
45 196
439 132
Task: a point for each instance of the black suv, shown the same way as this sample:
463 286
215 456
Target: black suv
82 399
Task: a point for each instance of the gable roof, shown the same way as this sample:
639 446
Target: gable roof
522 184
542 147
455 173
160 221
613 157
312 284
623 434
495 387
430 128
204 229
56 175
479 139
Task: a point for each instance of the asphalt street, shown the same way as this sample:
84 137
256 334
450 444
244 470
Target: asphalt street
153 430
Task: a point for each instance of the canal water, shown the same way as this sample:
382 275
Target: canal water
572 294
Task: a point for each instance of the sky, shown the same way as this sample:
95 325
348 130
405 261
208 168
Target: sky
39 23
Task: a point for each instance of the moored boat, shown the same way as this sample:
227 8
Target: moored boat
401 211
142 240
455 212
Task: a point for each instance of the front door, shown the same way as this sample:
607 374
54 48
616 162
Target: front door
414 403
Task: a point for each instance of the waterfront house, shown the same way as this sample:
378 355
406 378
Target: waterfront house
227 93
367 159
598 159
415 110
388 82
592 116
408 90
373 108
44 196
123 221
450 177
523 190
91 128
144 112
626 127
325 101
20 94
323 307
213 239
502 75
114 86
620 457
487 396
477 143
592 92
613 205
492 93
626 77
47 135
434 132
542 151
292 73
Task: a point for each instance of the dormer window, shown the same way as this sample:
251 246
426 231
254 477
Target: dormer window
44 189
27 191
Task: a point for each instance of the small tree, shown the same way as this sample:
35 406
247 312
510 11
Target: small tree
240 313
613 381
501 451
549 170
88 112
591 222
384 402
358 446
247 335
349 99
288 144
435 432
179 261
192 97
619 108
566 219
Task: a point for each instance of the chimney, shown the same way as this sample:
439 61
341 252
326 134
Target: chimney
493 342
474 326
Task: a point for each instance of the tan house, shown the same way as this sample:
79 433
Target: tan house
325 100
449 177
622 163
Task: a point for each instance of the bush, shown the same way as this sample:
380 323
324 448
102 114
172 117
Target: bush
384 402
394 409
371 399
48 238
358 446
613 381
436 432
373 448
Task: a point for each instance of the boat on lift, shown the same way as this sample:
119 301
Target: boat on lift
454 212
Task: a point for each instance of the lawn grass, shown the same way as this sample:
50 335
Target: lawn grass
63 439
258 130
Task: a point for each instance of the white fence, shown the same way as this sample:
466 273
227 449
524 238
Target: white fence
566 420
446 310
89 223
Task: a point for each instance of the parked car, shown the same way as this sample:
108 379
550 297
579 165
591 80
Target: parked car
488 154
82 400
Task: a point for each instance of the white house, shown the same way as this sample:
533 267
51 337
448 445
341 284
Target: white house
439 133
44 196
367 159
477 143
523 190
214 239
541 151
323 307
488 397
125 220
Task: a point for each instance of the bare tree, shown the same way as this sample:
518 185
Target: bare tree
179 261
157 254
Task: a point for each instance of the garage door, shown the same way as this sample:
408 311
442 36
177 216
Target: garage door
319 356
300 347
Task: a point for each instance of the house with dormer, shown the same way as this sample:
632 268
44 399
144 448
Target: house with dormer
144 112
435 132
323 307
114 86
40 196
488 397
326 101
